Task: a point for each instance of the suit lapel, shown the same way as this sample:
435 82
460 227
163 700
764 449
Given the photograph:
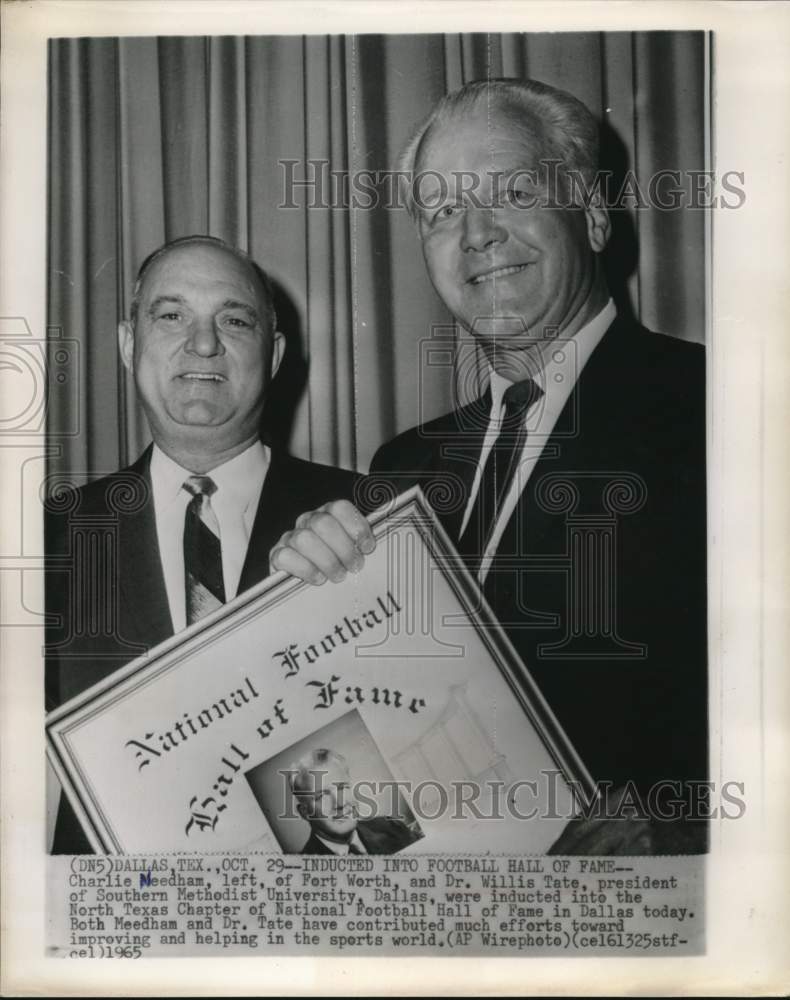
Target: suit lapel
275 515
315 846
576 442
458 456
144 611
367 836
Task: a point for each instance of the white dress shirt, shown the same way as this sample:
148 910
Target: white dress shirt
563 365
239 484
336 847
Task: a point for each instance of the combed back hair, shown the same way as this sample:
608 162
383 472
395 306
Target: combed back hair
568 129
299 773
264 282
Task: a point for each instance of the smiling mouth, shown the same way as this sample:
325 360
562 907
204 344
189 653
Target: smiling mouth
203 377
497 272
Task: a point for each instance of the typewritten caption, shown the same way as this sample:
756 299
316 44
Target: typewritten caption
177 905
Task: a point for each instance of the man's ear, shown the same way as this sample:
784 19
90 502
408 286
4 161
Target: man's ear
303 809
599 228
278 349
126 343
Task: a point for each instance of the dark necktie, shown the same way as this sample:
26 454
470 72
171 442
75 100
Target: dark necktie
499 470
205 590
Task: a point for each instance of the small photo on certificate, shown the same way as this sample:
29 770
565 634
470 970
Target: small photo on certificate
333 793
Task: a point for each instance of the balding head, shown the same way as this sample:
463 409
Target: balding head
266 294
202 347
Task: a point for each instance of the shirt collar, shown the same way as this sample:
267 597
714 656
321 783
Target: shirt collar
585 341
167 476
343 848
239 478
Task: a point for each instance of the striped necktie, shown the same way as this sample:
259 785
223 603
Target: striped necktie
499 471
204 587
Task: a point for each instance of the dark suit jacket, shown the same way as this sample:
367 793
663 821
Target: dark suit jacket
381 835
634 702
111 606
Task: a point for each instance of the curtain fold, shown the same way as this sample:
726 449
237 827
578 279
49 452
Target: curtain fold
669 100
156 138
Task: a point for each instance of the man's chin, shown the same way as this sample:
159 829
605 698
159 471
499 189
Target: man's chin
200 413
499 327
507 334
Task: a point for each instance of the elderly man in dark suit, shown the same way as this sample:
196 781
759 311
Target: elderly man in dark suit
139 555
579 475
321 785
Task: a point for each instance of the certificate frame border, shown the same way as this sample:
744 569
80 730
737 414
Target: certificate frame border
410 507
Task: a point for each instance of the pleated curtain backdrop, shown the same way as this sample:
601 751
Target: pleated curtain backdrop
156 138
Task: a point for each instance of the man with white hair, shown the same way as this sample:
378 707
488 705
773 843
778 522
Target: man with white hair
580 471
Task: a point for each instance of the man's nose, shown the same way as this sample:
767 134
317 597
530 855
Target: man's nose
204 338
482 229
338 796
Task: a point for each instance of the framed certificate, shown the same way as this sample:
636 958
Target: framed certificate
400 673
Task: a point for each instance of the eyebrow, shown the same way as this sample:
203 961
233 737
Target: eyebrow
236 304
180 300
163 300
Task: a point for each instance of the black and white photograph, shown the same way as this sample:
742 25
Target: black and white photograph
392 456
401 662
310 795
488 282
